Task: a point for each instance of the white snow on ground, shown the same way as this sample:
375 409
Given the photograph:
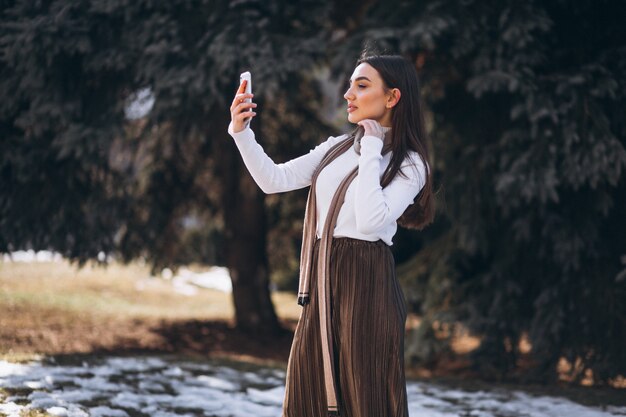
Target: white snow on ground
187 282
166 387
217 278
32 256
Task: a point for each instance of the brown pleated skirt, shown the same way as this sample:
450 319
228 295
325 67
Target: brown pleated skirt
368 315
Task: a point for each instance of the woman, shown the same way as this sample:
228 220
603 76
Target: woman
347 354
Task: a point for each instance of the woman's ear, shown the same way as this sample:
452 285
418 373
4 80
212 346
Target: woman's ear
393 98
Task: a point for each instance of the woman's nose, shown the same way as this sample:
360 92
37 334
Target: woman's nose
347 94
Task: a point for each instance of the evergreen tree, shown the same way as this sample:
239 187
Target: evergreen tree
80 176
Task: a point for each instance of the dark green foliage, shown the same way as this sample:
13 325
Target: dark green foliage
77 176
58 117
80 178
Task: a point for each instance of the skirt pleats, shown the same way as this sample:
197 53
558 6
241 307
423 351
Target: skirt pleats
368 315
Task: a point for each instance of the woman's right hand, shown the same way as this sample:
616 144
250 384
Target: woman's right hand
239 109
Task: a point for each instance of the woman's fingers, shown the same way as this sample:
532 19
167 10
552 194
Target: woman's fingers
243 106
239 98
240 90
243 110
242 87
372 127
240 109
245 114
368 122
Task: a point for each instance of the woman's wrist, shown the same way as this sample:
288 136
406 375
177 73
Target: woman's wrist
231 131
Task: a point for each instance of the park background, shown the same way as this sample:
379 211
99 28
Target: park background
114 157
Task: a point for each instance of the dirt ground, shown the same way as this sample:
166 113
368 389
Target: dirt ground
52 332
27 331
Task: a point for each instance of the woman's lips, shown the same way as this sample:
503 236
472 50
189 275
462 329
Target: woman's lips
351 108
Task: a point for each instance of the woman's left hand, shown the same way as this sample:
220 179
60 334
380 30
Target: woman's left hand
372 128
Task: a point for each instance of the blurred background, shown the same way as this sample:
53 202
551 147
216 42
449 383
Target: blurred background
115 161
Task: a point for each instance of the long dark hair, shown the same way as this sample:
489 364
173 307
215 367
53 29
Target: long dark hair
408 132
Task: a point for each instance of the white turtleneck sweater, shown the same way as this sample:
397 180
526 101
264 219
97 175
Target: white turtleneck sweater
369 212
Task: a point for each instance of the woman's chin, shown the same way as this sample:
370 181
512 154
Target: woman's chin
352 118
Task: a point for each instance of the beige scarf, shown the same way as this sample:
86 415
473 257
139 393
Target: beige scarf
306 256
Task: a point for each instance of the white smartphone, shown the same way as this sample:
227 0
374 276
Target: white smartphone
248 77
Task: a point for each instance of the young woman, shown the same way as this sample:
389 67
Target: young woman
347 354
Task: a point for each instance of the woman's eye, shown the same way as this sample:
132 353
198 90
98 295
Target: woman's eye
361 86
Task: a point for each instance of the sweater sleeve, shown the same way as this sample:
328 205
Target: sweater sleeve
376 207
277 178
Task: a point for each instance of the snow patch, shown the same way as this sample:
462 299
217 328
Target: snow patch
32 256
104 411
167 387
217 278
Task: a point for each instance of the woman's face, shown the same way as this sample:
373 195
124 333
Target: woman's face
366 96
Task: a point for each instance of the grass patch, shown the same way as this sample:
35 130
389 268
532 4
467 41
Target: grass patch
34 413
19 357
117 290
54 308
30 413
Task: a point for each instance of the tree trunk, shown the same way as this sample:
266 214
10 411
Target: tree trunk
245 239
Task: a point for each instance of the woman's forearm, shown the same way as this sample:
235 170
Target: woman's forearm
277 178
